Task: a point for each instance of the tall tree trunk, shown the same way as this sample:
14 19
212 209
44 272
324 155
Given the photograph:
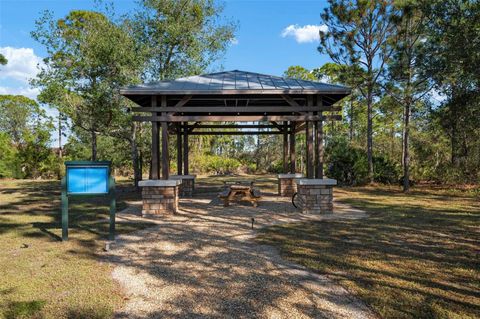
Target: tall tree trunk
405 152
370 132
392 139
454 135
453 145
94 145
350 135
60 150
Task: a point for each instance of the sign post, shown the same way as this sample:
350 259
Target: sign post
64 209
113 205
88 178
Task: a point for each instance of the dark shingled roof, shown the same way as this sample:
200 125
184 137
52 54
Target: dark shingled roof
235 82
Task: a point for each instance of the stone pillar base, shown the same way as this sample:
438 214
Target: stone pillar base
316 195
286 184
160 197
187 186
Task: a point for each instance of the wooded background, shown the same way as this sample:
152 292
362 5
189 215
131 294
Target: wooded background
414 113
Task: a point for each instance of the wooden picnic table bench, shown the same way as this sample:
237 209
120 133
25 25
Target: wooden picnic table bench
239 191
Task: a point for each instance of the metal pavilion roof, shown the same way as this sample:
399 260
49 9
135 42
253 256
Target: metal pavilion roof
235 82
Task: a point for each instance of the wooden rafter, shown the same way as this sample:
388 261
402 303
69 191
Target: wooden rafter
183 101
290 100
226 118
235 133
235 109
231 126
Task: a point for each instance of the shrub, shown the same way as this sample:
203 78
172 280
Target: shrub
349 165
216 164
276 167
385 171
346 164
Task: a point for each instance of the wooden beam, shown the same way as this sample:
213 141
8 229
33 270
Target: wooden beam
231 126
309 142
185 149
226 118
179 152
155 161
278 126
183 101
191 127
234 109
319 149
292 148
285 147
235 133
165 152
299 127
290 100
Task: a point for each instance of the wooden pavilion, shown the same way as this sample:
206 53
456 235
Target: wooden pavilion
278 105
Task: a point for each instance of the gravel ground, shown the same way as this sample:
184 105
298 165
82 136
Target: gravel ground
202 263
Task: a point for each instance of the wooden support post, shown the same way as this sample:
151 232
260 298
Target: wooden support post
185 149
292 147
309 138
179 151
165 153
319 149
155 162
64 200
285 147
113 207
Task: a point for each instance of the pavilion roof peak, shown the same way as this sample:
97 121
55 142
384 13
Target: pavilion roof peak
235 82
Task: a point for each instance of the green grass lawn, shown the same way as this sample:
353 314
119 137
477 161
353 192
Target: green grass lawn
415 256
42 277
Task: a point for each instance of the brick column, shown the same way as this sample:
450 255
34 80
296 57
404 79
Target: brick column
187 186
316 194
286 184
160 197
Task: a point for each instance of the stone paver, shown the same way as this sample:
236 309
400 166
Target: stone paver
202 263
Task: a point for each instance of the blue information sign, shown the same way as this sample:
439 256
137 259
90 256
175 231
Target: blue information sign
87 180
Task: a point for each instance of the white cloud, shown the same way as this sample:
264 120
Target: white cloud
234 41
22 64
22 90
304 34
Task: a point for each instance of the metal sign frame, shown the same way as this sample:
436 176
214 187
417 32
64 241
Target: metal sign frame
110 193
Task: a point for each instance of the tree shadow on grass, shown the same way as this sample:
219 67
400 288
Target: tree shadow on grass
412 260
37 206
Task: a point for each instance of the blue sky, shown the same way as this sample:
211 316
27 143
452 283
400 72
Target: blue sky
272 35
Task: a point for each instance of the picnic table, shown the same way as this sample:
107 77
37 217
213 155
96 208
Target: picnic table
239 191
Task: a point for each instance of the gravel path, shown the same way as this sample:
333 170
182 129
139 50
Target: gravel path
202 263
